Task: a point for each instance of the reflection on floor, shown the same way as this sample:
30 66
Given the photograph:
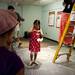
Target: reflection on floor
44 60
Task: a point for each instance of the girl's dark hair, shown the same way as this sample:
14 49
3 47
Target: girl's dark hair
10 7
36 22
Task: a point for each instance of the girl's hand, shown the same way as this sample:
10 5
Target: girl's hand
41 36
40 40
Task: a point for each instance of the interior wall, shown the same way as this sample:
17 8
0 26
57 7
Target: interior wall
3 6
51 32
30 13
18 8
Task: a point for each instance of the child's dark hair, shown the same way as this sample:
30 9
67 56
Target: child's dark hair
36 22
10 7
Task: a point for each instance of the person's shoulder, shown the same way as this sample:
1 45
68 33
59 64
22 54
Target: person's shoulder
6 52
14 56
16 62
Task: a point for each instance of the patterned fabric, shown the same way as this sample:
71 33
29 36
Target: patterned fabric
7 21
34 45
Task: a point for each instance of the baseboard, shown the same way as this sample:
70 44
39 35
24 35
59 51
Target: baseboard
51 39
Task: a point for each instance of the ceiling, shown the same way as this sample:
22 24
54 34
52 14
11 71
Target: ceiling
29 2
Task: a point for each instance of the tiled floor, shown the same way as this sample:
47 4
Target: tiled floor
44 60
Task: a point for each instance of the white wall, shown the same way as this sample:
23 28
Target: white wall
51 32
3 6
30 13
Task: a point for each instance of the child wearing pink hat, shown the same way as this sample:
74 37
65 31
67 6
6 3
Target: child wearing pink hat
10 63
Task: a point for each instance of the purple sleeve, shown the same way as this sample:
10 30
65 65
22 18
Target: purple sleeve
16 64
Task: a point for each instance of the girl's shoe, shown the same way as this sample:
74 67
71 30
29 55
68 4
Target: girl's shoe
31 63
35 63
19 46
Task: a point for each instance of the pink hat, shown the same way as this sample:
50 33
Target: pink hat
7 20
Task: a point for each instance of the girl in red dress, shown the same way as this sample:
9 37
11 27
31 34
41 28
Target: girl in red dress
34 43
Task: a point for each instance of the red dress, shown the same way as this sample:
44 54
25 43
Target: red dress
34 45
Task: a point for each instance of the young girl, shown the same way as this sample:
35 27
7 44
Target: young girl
34 42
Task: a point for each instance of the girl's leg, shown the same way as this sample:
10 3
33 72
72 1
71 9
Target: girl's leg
31 56
31 59
35 57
